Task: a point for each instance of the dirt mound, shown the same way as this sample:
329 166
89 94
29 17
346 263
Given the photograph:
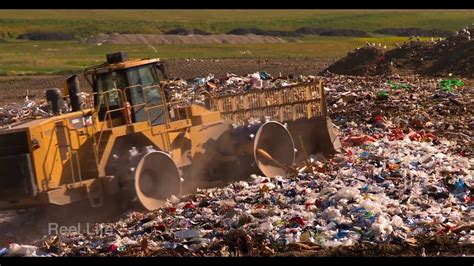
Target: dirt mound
181 31
344 32
361 62
257 31
310 31
460 61
300 32
46 36
409 54
116 38
454 55
407 32
332 32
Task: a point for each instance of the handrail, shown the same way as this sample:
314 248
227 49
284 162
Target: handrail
74 153
107 118
123 95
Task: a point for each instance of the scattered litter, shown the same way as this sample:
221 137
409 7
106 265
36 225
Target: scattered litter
406 172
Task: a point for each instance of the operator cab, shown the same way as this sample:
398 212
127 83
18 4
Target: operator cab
127 91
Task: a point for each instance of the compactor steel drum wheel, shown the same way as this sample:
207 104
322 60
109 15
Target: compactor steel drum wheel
274 149
156 179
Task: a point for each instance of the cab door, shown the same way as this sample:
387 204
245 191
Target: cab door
108 98
144 94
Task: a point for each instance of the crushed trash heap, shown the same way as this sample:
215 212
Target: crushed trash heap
405 175
439 57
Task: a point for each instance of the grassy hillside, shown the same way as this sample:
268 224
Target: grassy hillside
83 23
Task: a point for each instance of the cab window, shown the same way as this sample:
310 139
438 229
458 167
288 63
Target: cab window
146 77
105 83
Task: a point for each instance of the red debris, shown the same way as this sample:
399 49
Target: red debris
378 119
469 199
170 210
421 136
112 248
189 205
161 227
297 220
396 134
357 140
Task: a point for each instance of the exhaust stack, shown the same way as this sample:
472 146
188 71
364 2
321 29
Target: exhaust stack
74 90
56 98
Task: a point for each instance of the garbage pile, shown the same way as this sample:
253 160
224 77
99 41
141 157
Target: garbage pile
368 60
17 112
405 175
376 105
379 191
454 55
29 109
195 90
409 105
451 55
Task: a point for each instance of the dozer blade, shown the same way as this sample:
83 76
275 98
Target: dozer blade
314 136
302 107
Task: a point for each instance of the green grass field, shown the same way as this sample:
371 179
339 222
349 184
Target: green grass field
56 57
83 23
